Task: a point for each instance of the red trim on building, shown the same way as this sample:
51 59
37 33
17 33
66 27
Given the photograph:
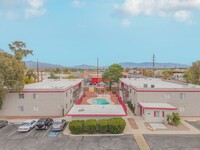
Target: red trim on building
157 108
154 113
160 90
95 115
50 91
163 114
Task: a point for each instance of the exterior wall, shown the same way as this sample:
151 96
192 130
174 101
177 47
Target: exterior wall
48 103
93 117
189 106
148 115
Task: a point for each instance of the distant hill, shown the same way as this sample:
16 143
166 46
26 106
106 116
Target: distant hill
84 67
42 65
149 65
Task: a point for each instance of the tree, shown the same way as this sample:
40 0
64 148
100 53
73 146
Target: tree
19 50
192 74
12 69
112 74
30 76
167 73
11 74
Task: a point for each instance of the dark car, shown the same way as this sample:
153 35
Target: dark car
59 125
43 123
3 123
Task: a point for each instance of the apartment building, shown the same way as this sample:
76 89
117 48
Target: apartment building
47 98
161 97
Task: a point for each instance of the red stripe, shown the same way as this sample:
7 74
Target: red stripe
163 114
95 115
154 113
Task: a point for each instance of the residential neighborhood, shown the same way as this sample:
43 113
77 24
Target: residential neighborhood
99 75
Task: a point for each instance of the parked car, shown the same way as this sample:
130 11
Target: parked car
27 125
43 123
3 123
59 125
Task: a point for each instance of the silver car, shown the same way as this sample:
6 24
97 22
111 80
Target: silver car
58 125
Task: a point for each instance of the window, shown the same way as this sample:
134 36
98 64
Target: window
182 109
35 96
70 101
156 113
182 95
35 108
70 91
21 96
66 106
66 94
167 95
21 108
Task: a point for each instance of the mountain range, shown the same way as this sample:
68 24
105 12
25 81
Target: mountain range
42 65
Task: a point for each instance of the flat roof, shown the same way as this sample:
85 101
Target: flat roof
158 83
53 84
164 106
97 110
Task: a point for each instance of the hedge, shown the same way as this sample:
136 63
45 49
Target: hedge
113 126
116 125
102 126
90 126
76 126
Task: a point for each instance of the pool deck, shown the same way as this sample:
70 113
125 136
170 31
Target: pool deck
90 95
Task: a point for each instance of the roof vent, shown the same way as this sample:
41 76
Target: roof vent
145 86
152 86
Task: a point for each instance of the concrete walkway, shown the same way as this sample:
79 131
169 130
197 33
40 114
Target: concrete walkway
143 145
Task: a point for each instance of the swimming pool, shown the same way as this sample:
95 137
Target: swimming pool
100 101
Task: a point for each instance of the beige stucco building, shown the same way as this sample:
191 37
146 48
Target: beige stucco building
47 98
184 97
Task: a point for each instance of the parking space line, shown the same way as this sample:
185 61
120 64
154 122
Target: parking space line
12 133
47 131
30 132
6 127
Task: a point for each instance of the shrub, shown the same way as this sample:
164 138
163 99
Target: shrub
103 126
76 126
130 105
90 126
173 119
116 125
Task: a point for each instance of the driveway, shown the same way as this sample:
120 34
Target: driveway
173 142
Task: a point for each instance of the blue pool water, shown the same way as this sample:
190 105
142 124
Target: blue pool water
100 101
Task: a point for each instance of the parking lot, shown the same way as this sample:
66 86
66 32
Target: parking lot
11 139
173 142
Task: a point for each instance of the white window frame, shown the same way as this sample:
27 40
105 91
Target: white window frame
21 96
35 96
167 95
182 95
21 108
36 108
182 109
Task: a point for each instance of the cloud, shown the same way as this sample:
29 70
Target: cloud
125 23
35 8
11 15
179 9
77 4
183 16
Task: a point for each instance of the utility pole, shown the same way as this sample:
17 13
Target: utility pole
97 70
153 59
37 71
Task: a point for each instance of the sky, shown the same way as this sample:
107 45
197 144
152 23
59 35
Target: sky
74 32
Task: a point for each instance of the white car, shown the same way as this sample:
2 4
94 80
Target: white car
27 125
